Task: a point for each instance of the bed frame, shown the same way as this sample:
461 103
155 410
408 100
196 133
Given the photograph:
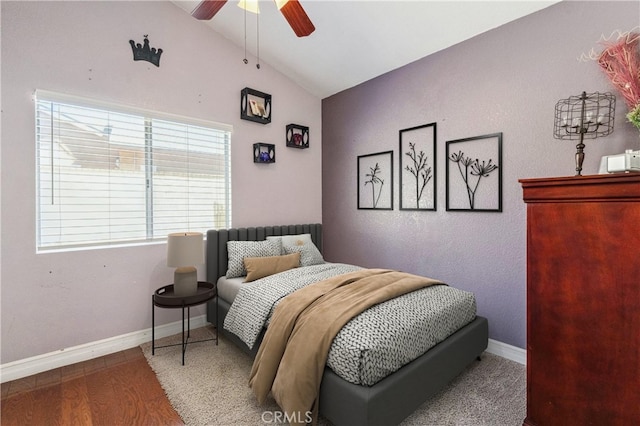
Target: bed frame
393 398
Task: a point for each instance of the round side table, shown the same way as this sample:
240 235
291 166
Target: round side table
165 297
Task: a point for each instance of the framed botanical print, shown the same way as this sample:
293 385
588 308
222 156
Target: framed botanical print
418 168
474 174
375 181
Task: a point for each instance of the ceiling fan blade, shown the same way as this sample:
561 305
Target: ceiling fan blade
207 9
297 18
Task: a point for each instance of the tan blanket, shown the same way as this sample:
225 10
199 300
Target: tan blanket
293 353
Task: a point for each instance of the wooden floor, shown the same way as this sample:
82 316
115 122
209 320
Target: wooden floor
117 389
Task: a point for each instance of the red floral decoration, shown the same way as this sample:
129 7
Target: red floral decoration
620 60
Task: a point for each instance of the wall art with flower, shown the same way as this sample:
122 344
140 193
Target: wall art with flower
375 181
474 174
418 168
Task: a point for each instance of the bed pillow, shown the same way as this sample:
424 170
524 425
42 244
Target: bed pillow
238 250
309 253
292 240
259 267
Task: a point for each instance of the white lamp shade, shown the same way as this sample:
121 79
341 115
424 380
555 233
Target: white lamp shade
249 5
184 249
280 3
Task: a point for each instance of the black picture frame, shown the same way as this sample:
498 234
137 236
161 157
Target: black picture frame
375 181
255 106
418 171
264 153
474 173
297 136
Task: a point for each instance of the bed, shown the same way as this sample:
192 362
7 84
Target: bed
342 402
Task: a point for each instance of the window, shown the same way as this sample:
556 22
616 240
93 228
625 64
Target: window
108 174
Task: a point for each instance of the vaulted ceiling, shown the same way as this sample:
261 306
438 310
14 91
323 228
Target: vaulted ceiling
357 40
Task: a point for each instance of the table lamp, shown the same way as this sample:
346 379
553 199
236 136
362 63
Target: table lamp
184 250
588 116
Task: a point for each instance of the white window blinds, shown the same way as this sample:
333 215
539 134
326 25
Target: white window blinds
109 174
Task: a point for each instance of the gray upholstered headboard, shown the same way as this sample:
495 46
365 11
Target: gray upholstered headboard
216 259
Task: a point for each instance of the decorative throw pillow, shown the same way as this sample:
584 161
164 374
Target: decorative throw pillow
259 267
238 250
293 240
309 254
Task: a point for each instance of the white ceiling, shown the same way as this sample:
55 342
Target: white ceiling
357 40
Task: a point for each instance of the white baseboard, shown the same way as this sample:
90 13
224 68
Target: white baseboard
513 353
37 364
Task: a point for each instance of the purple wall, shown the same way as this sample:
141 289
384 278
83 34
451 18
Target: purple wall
506 80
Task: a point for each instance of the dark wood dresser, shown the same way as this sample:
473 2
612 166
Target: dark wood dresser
583 300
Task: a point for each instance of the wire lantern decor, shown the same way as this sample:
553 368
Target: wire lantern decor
588 116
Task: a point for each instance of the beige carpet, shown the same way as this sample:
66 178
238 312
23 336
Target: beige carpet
211 388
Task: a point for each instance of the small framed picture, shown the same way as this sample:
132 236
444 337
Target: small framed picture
256 108
375 181
474 174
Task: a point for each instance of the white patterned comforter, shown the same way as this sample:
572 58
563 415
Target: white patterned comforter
375 343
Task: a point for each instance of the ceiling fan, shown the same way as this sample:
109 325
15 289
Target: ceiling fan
291 9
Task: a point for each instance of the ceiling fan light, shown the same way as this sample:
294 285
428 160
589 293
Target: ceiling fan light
281 3
249 5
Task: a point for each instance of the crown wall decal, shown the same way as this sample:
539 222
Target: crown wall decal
145 53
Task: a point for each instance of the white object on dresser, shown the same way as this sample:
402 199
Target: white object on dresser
627 162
